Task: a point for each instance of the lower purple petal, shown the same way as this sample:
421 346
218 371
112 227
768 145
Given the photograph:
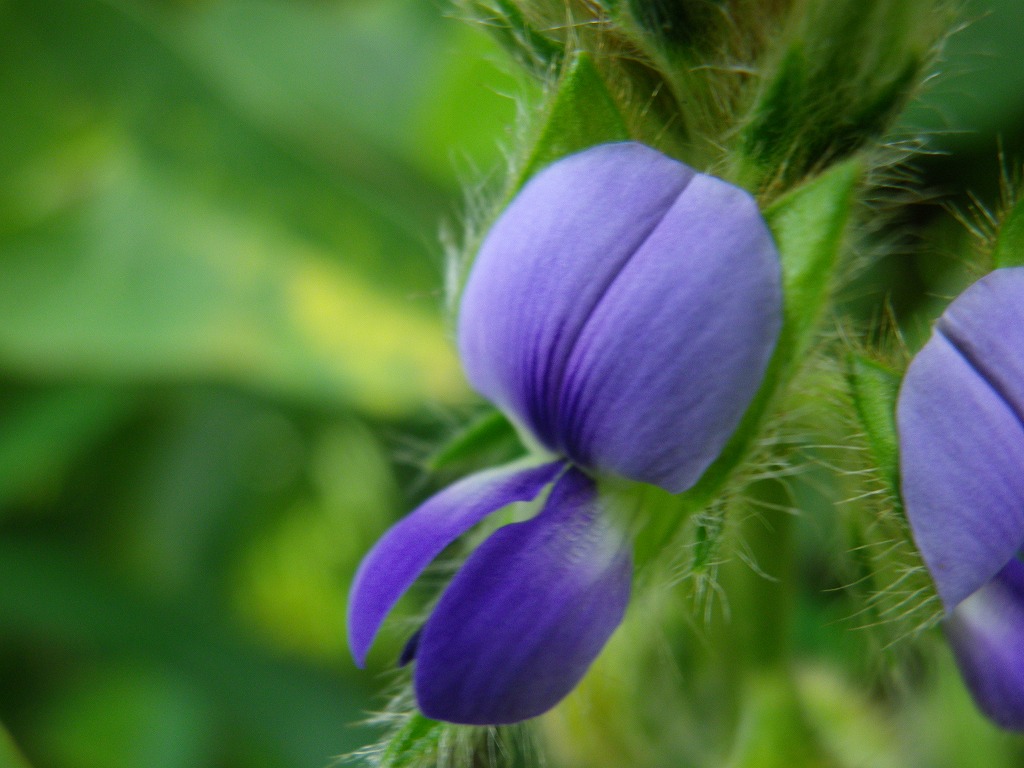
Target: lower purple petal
400 556
527 614
986 632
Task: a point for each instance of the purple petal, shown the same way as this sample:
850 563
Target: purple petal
962 443
395 561
672 356
546 263
986 324
986 632
527 614
625 309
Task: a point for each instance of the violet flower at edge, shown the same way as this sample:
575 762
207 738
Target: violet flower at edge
960 419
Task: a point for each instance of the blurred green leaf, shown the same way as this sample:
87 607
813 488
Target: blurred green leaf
60 600
42 433
773 730
86 77
975 95
316 74
848 723
10 757
124 717
163 226
142 282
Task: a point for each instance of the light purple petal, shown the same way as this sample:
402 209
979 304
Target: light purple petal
547 262
962 444
625 310
986 324
395 561
986 632
527 614
676 349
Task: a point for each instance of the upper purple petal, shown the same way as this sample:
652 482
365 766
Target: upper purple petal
986 324
962 438
395 561
675 351
986 632
625 309
527 614
547 262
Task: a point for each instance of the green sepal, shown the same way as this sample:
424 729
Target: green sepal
417 743
534 50
488 440
581 113
1009 246
874 389
842 75
790 133
808 224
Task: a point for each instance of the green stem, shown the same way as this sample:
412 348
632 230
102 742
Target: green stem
761 578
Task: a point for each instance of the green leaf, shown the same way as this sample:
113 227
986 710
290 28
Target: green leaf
10 757
144 281
170 214
287 708
775 732
582 113
124 715
1009 247
808 225
874 390
486 441
42 434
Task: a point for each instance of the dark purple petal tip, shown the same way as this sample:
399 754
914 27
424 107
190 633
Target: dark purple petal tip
986 632
960 418
527 614
400 556
625 308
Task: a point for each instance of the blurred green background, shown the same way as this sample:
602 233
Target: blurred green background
224 357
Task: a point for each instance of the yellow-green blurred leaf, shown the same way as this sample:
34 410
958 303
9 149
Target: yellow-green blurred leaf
10 757
144 281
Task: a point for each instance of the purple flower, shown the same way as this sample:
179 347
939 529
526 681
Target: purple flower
961 428
622 312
